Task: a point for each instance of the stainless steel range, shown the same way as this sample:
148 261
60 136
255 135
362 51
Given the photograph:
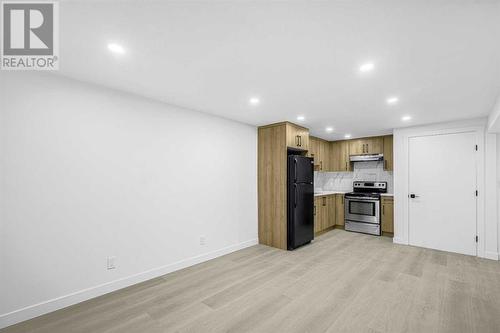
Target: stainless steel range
362 207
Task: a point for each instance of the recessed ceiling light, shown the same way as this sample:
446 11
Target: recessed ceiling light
406 118
329 129
392 100
301 118
116 48
347 136
254 101
369 66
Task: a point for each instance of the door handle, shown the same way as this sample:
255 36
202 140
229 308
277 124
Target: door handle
295 169
300 140
346 166
314 210
321 165
324 201
413 196
295 195
296 140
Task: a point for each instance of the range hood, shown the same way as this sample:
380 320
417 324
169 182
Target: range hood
366 157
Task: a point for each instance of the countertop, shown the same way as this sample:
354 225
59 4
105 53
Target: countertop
323 193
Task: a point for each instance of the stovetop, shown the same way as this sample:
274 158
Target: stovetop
364 189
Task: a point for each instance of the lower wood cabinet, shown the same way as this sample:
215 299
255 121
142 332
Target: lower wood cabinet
318 214
339 209
388 215
324 213
330 203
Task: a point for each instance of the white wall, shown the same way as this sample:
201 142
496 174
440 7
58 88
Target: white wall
487 222
88 173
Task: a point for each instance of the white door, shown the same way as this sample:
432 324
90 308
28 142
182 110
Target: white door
442 175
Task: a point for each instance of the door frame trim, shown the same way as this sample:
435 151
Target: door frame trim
401 177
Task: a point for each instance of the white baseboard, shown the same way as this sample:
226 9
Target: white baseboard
491 255
39 309
399 241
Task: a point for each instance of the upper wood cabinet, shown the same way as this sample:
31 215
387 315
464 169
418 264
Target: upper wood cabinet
297 136
319 150
314 151
339 156
388 153
373 145
324 162
356 147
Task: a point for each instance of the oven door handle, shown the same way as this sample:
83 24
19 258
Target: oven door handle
363 199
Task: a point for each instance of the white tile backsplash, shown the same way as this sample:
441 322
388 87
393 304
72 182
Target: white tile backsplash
342 181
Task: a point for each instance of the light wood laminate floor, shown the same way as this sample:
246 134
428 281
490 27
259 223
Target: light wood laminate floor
342 282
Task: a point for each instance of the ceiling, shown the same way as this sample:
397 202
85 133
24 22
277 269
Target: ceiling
441 58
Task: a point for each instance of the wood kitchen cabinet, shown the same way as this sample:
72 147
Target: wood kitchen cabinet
319 149
373 145
339 156
297 136
344 162
324 162
273 143
356 147
319 214
332 210
387 215
324 213
388 153
339 209
314 151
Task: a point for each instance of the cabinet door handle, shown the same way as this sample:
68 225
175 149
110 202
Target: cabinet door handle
367 148
324 201
385 164
296 140
383 209
346 166
314 210
300 140
321 165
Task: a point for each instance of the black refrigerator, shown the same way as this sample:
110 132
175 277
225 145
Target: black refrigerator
300 201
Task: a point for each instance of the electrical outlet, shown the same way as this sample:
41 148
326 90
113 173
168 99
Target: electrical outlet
111 262
203 240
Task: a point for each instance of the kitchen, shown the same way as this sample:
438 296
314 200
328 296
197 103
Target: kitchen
352 185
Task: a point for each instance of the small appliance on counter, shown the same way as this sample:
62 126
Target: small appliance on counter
300 201
362 207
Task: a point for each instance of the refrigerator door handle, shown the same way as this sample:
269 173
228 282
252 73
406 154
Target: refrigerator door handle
295 170
295 199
